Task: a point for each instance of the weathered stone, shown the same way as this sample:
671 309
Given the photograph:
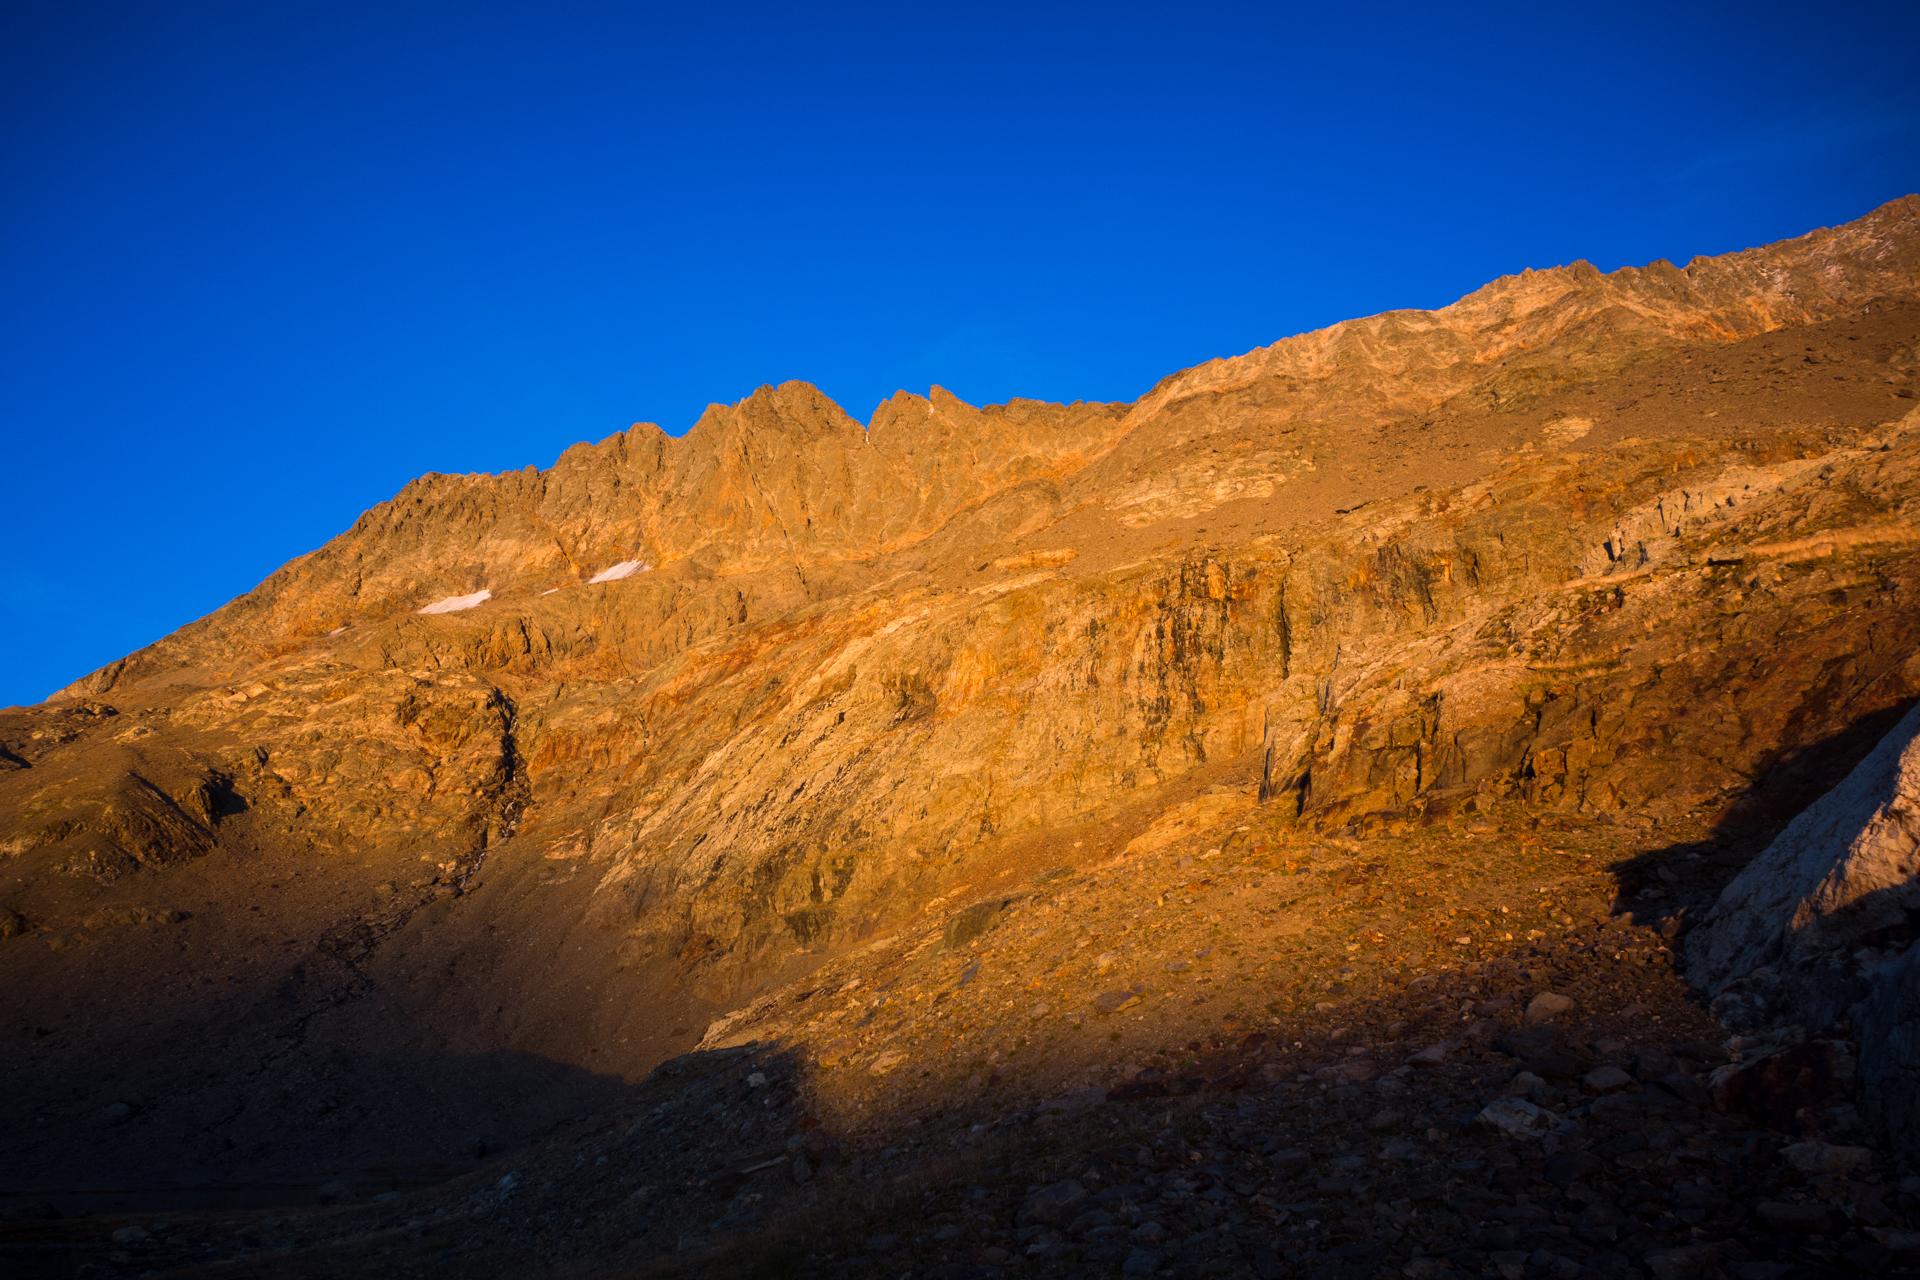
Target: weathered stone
1607 1079
1517 1118
1846 868
1547 1006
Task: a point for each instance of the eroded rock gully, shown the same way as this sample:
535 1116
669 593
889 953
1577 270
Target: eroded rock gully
1157 782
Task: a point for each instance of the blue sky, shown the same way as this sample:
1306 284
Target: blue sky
263 263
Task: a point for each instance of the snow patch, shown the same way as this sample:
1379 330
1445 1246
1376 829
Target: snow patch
549 591
454 604
337 631
625 569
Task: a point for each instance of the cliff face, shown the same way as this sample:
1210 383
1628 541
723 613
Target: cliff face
1624 547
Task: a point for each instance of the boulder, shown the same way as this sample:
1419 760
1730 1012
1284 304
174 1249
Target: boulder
1816 930
1517 1118
1781 939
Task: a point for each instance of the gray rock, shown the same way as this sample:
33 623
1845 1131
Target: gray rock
1606 1080
1517 1118
1846 868
973 921
1289 1160
1786 943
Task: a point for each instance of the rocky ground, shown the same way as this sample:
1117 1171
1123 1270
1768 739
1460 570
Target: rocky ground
1461 1050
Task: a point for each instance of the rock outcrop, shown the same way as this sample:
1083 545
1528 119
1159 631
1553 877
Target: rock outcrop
1818 930
1821 908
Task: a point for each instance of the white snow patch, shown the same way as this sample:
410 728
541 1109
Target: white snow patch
625 569
337 631
549 591
454 604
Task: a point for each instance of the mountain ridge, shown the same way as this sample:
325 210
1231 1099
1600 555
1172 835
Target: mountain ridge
981 753
1879 245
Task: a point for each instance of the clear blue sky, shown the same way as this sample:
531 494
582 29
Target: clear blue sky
262 263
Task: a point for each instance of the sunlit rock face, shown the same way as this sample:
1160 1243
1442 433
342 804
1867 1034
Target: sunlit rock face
548 770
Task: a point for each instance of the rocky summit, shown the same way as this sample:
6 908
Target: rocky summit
1431 797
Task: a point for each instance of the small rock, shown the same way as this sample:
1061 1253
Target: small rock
131 1235
887 1063
1431 1056
1140 1262
1606 1080
114 1113
1352 1071
1289 1160
1547 1006
1114 1001
1517 1118
1527 1085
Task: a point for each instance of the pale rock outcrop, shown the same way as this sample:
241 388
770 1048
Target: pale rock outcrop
1798 931
1817 930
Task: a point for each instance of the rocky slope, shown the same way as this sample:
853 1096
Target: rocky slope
328 884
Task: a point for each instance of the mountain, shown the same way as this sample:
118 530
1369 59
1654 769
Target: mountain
972 759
